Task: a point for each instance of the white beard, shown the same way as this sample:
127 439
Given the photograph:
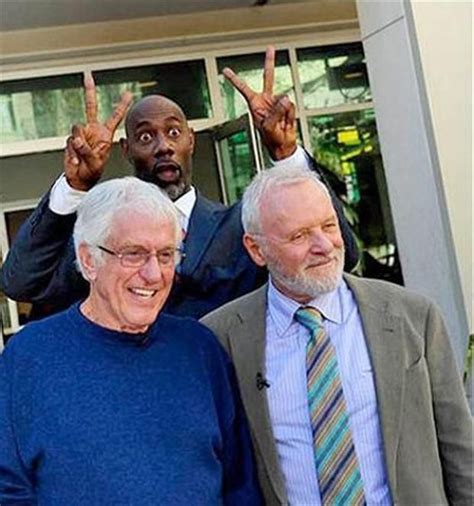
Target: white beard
303 284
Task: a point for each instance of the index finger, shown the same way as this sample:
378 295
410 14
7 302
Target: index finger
240 85
269 70
91 100
119 112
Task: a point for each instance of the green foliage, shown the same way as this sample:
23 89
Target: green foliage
469 358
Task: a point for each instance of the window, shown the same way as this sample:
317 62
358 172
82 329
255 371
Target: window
333 75
41 107
183 82
347 146
47 107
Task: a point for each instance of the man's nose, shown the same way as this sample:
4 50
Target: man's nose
163 145
320 242
152 271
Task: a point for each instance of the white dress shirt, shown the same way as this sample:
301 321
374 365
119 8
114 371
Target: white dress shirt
64 199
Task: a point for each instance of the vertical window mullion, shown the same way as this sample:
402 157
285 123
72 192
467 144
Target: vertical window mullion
300 111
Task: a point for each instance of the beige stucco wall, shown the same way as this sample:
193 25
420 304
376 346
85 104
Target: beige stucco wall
22 47
444 34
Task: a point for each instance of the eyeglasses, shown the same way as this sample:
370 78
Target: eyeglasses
139 258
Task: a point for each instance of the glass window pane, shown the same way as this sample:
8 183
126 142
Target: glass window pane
238 164
41 107
347 146
333 75
183 82
249 67
47 107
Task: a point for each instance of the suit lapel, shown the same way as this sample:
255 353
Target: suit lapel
382 331
203 223
247 343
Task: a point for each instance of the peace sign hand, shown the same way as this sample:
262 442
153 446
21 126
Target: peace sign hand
88 147
273 115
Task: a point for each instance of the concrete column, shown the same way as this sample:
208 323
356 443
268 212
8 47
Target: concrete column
429 255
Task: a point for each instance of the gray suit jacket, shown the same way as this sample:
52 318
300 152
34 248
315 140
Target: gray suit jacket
425 419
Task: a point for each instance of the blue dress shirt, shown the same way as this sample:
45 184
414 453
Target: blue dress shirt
286 342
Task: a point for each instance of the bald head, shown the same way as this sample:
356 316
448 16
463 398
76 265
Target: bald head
155 103
160 144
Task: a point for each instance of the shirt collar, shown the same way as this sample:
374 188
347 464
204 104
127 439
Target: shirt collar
282 309
185 205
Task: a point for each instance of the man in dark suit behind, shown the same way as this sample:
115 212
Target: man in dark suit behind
40 266
349 384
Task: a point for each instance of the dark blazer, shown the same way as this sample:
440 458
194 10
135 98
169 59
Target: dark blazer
40 266
425 419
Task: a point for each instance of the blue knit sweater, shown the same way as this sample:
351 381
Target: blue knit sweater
91 416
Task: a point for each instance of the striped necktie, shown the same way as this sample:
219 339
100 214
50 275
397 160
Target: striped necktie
340 482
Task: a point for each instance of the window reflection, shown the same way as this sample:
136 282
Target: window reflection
347 146
48 106
41 107
183 82
333 75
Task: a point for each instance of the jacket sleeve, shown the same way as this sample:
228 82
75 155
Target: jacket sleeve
16 487
40 266
452 415
352 252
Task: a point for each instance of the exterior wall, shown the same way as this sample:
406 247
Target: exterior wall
447 69
403 61
20 46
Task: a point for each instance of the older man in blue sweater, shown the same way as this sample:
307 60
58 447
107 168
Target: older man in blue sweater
112 402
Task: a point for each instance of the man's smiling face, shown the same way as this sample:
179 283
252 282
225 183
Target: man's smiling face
129 298
300 241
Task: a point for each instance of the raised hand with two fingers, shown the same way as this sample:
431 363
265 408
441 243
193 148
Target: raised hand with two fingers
273 115
88 147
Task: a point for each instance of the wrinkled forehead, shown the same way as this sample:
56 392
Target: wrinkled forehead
142 220
286 203
153 108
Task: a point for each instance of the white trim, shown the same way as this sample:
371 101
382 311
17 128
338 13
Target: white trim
337 109
306 137
212 75
220 171
254 144
18 205
31 146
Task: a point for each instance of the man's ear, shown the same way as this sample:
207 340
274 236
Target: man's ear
254 250
87 262
124 147
192 139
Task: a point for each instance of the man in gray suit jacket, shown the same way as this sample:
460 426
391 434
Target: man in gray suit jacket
393 398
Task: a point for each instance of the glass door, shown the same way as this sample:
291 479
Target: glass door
239 156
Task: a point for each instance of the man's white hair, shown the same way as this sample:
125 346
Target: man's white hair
266 182
110 199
